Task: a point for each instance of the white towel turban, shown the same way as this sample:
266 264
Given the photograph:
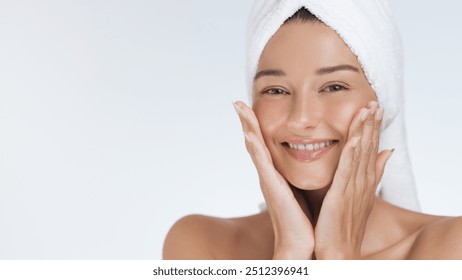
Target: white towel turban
367 27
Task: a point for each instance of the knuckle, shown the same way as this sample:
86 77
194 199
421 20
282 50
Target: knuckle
254 153
346 173
369 122
258 158
375 146
250 146
370 173
356 155
367 148
254 123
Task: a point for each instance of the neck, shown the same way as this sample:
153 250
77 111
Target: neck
313 200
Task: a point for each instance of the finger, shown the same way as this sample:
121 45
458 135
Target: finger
382 160
248 114
357 123
263 163
355 131
255 145
245 129
349 164
257 152
358 119
241 116
354 165
371 173
359 177
274 187
284 209
345 167
250 125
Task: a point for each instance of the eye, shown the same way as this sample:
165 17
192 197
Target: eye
274 91
335 87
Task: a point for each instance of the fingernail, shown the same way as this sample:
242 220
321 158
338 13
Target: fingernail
234 104
379 115
374 107
355 141
364 115
237 108
392 150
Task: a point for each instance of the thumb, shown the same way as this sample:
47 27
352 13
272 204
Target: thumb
382 159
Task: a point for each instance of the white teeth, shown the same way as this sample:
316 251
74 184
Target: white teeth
310 147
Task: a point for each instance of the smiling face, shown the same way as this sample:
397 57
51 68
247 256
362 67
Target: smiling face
308 87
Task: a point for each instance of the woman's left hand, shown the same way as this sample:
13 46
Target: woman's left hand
341 224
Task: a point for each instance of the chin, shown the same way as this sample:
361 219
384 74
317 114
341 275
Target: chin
309 178
310 184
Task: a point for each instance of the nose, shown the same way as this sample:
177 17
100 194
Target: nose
304 113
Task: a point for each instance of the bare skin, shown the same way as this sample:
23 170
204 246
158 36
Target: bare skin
325 208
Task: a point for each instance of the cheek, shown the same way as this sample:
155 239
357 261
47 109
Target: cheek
270 117
342 115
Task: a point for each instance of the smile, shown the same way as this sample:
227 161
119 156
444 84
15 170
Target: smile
309 152
311 147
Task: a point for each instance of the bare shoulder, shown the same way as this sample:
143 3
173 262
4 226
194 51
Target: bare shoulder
194 237
440 239
206 237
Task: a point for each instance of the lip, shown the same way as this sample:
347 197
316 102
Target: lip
308 156
308 141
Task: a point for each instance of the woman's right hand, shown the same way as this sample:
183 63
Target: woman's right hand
290 216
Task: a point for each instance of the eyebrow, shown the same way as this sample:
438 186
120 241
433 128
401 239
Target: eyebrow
269 72
331 69
320 71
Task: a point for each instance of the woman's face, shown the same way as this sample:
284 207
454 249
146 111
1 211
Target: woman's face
308 87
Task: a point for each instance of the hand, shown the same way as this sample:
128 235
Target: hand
345 210
293 230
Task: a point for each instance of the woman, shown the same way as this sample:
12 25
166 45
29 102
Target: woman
314 132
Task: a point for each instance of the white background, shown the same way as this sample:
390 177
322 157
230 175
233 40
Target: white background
116 120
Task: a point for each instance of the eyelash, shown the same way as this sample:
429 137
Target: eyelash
266 91
338 85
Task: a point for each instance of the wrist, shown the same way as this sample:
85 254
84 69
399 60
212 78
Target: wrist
337 254
292 253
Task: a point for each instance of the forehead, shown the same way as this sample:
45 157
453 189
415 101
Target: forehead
305 46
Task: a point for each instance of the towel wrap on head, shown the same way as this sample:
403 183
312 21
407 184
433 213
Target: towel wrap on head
368 28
